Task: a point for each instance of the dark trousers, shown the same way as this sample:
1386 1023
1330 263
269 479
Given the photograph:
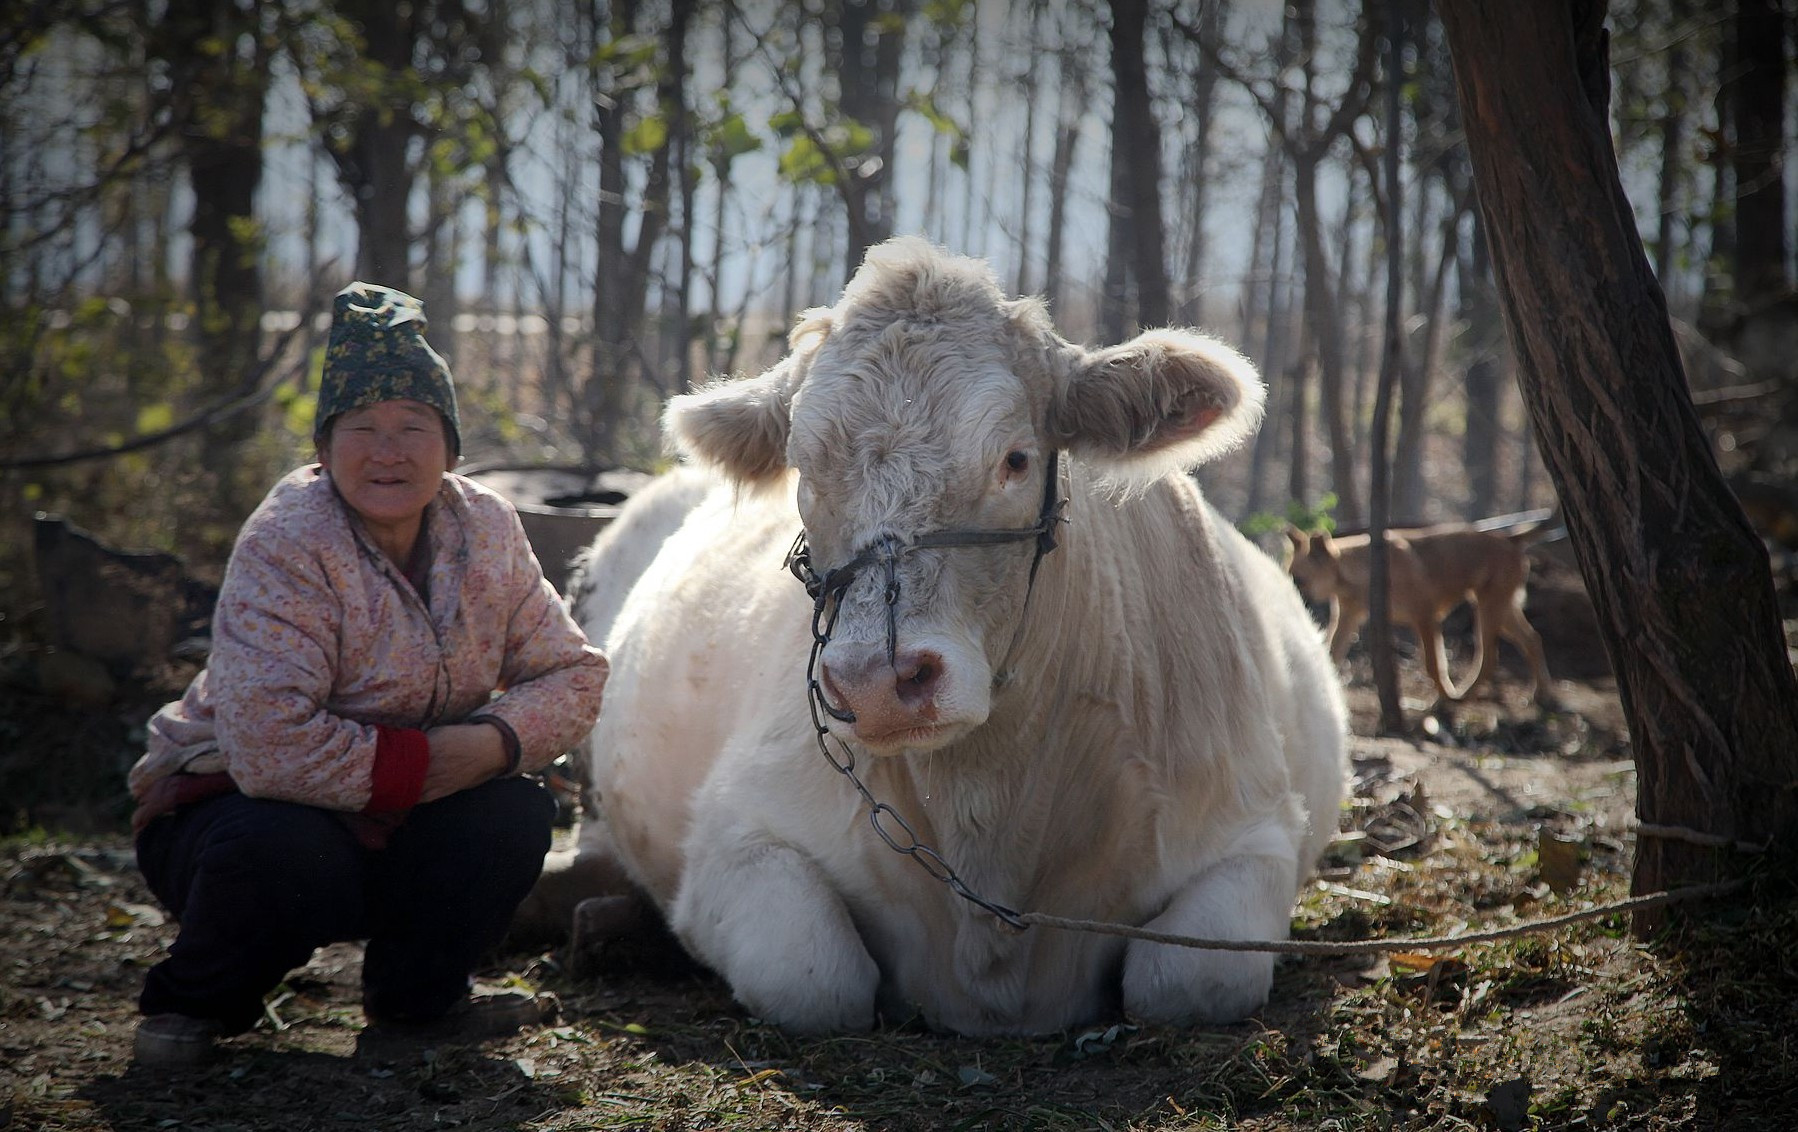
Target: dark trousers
258 885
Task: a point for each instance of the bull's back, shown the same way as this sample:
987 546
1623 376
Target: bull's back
610 569
696 650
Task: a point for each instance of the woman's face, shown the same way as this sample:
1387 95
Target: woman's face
388 460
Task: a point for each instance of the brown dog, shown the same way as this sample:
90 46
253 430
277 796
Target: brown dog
1430 571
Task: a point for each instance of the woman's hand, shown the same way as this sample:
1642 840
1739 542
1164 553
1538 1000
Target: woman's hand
462 755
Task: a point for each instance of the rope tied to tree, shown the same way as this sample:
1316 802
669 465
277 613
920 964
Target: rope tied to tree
1317 947
824 588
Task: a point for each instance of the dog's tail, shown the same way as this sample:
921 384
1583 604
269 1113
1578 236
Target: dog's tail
1527 527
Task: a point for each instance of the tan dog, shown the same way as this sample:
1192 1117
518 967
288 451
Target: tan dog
1431 570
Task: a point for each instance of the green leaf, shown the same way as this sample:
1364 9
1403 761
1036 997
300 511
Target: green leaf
787 123
649 134
155 418
731 138
804 163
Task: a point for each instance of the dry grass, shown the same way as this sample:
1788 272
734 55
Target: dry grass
1582 1028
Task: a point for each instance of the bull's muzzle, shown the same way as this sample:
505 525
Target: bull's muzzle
891 697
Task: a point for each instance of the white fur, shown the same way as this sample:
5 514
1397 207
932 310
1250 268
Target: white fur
1169 751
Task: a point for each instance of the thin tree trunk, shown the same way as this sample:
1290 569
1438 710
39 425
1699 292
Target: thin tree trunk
1678 578
1392 365
1673 140
1136 173
1760 96
721 167
1067 140
1270 228
1714 312
686 169
1298 451
1032 84
1484 334
967 168
441 256
1420 375
1326 337
1203 107
789 294
1356 303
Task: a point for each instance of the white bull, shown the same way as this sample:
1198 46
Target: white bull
1141 727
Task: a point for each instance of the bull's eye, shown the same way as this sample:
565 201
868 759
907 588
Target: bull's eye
1017 463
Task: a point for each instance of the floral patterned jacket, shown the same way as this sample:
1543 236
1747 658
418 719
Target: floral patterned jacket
327 666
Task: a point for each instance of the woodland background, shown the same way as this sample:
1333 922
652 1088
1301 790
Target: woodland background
603 204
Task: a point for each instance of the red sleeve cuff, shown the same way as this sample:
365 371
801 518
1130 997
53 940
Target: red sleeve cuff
402 755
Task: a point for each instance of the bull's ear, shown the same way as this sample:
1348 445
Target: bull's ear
1166 399
740 427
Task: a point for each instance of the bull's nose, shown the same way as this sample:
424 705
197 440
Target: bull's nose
833 694
885 696
915 678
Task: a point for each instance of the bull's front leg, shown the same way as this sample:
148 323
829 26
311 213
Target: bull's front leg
764 916
1240 897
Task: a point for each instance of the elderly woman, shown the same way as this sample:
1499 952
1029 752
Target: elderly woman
387 662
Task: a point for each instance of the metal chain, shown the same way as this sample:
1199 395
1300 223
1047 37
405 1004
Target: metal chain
880 812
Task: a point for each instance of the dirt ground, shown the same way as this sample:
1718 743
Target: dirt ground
1503 814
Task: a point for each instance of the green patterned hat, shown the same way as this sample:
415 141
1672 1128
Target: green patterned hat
377 352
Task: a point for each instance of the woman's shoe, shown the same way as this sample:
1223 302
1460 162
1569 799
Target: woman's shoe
176 1040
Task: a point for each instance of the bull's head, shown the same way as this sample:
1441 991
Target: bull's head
927 402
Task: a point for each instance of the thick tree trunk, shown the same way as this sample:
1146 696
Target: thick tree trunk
867 53
375 164
383 193
618 282
219 98
1679 580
